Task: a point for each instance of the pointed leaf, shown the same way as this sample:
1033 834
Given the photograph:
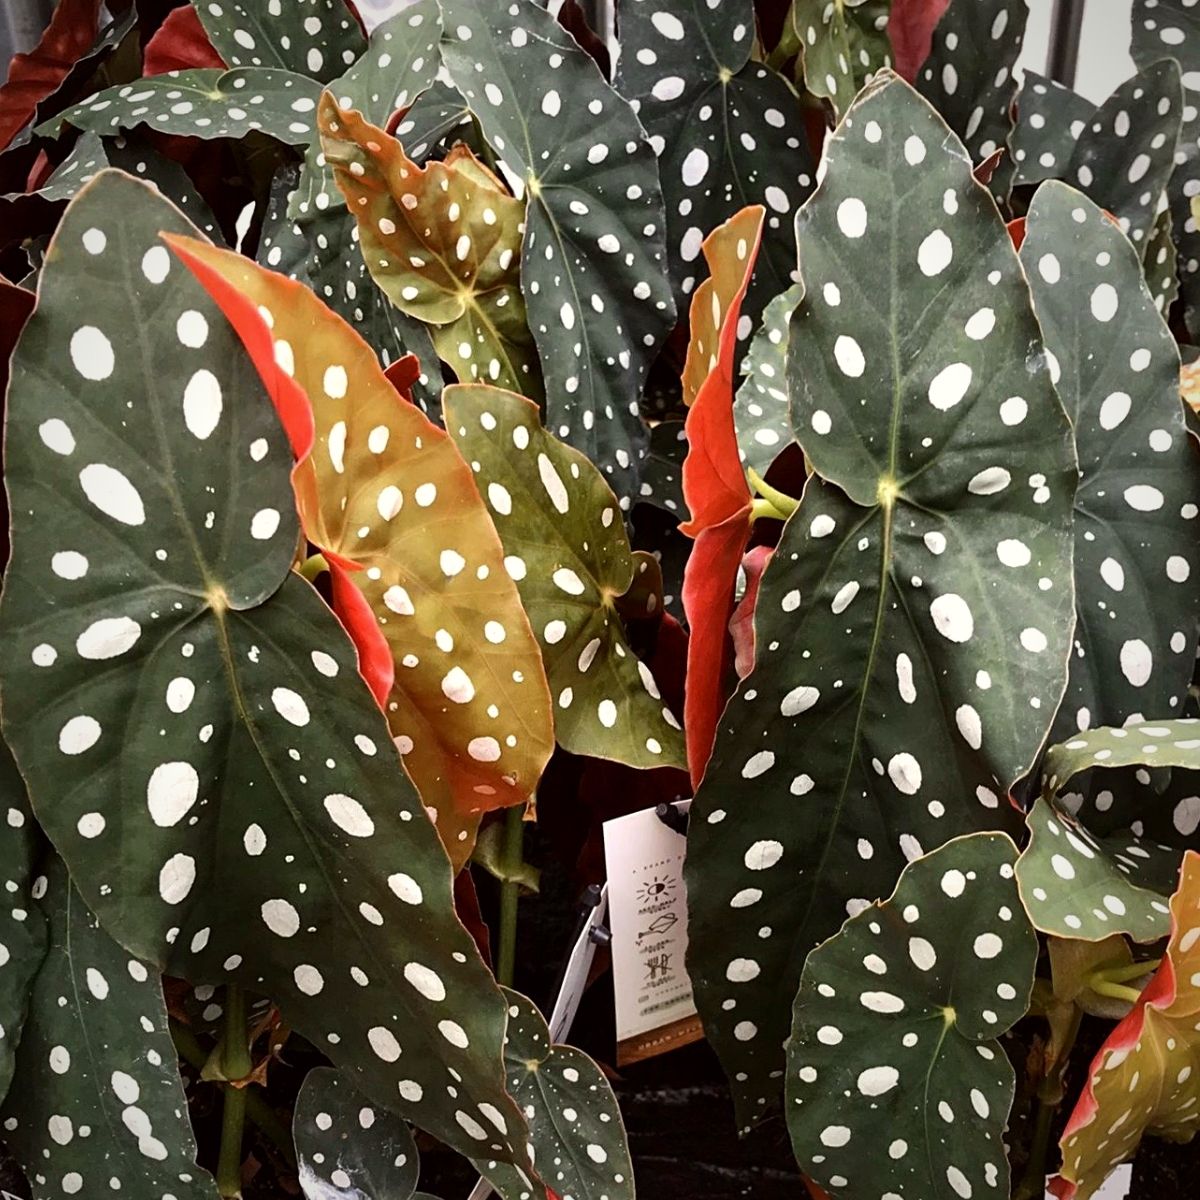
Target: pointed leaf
443 242
593 264
894 1033
909 660
728 132
161 665
346 1147
96 1102
179 44
760 409
714 483
566 546
1146 1077
662 479
22 925
385 491
1118 378
205 103
1160 263
968 76
575 1127
319 38
1123 153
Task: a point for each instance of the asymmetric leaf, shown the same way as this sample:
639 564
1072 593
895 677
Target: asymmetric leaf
345 1147
1146 1077
320 38
968 75
204 103
575 1127
97 1105
566 547
188 714
728 131
386 492
443 242
894 1033
1160 262
594 263
1135 508
22 926
912 627
1121 153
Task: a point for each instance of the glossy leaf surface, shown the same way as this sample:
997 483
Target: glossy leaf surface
96 1102
386 492
593 266
896 1082
909 658
728 131
161 667
566 546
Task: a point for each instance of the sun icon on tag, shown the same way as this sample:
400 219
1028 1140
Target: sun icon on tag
656 888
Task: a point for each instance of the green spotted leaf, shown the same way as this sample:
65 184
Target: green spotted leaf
593 266
567 548
840 46
896 1082
86 158
968 76
728 131
1161 744
160 665
319 38
203 103
97 1106
913 625
346 1147
662 480
1135 508
575 1127
22 925
1121 153
1160 263
760 408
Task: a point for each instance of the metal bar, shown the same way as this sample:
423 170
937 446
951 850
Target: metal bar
1066 21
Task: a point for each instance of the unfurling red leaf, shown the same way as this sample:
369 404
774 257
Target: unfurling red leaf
909 661
567 548
714 483
1146 1077
187 713
896 1082
180 43
383 491
594 258
97 1106
443 242
910 30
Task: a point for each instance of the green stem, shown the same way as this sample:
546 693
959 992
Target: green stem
235 1064
1116 991
510 893
190 1049
1124 974
313 566
783 504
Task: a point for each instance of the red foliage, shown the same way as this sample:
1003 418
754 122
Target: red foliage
179 44
34 76
910 29
741 624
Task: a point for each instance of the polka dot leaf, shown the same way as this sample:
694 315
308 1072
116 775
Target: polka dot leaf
913 625
728 131
968 76
22 926
188 714
575 1128
1146 1077
760 409
96 1105
443 242
384 490
1121 154
1117 373
896 1082
346 1147
839 46
567 548
1160 262
203 103
593 266
319 38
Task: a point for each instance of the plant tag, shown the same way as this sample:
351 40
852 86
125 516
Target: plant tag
647 909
